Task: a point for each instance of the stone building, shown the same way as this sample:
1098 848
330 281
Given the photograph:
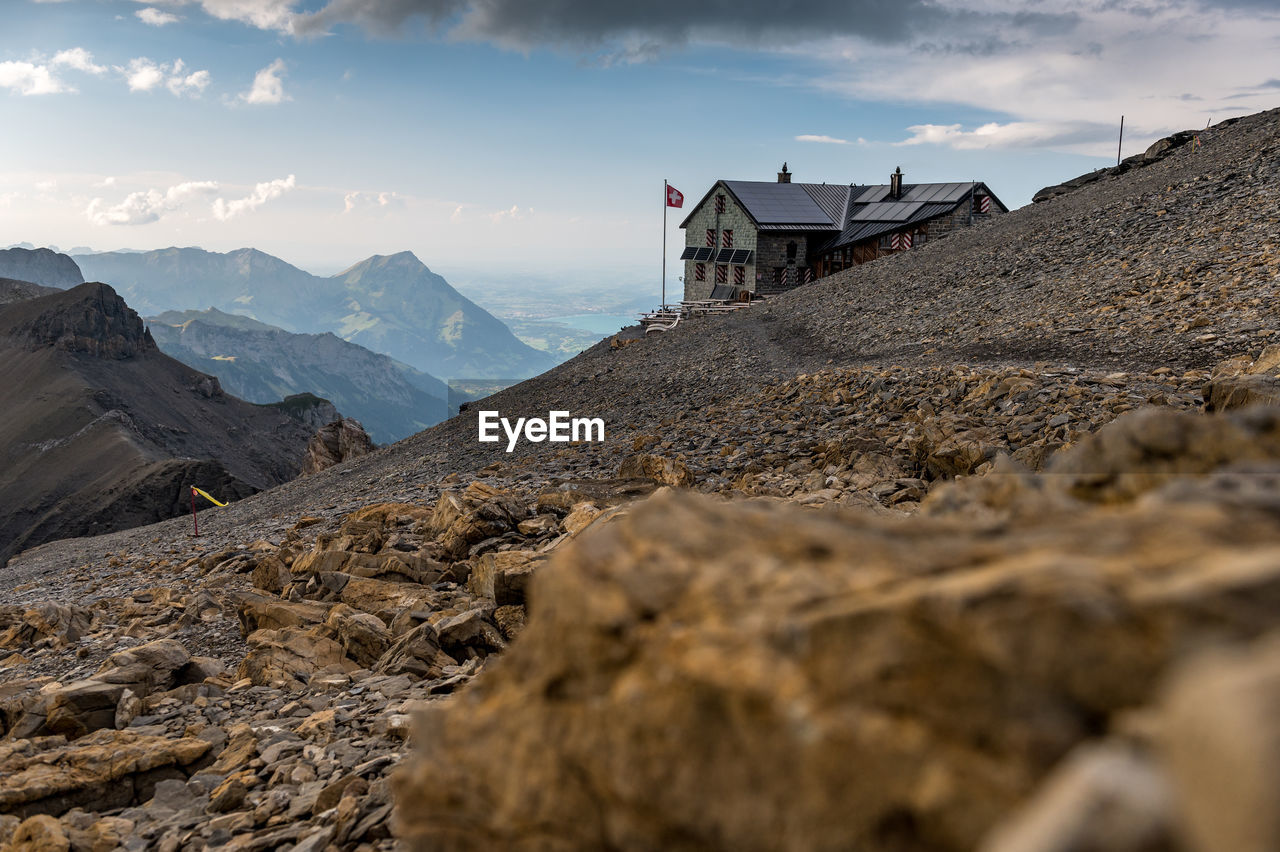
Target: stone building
767 237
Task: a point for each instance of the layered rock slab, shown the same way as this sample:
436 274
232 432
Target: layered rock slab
702 674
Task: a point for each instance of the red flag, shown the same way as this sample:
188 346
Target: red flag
675 198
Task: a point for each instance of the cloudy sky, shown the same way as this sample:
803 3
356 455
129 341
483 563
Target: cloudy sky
513 136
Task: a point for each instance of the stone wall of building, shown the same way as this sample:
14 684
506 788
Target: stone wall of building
771 255
744 237
961 217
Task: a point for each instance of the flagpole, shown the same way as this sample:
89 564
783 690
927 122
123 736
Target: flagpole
664 244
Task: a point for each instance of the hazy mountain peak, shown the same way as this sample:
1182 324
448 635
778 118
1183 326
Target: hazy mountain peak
40 266
404 261
391 303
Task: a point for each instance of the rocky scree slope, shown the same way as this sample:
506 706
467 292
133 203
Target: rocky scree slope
103 431
967 586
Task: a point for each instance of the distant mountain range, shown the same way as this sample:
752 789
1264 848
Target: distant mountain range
391 304
102 431
261 363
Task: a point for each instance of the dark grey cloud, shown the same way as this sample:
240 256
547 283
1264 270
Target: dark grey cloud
591 24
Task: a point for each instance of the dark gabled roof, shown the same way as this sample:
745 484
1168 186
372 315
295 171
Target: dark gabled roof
857 212
785 206
779 203
832 198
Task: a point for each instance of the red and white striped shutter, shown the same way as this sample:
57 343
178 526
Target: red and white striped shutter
722 274
984 205
895 242
726 238
739 275
906 241
808 275
711 237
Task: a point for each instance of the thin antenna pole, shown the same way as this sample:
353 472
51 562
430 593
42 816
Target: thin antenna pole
1121 142
664 243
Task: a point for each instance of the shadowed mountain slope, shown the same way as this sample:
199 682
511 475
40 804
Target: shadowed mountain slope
19 291
102 431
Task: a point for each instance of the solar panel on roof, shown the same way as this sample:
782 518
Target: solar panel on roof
703 253
779 202
724 256
740 255
689 252
937 193
868 194
886 211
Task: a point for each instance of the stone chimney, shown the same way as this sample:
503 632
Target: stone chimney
895 183
784 176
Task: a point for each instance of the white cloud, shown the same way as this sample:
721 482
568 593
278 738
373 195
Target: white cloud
1015 134
515 214
141 208
267 87
155 17
352 200
830 140
144 75
262 193
180 84
265 14
1065 89
79 59
25 78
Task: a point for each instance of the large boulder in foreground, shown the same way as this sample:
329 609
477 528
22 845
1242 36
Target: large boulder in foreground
746 676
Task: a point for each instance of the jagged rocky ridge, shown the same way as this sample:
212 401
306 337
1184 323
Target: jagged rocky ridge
945 593
102 431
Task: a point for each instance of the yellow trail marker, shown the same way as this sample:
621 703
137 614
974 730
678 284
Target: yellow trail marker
195 524
208 497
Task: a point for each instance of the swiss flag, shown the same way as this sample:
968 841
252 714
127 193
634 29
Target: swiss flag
675 198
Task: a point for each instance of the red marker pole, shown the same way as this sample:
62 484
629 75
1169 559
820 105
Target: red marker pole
194 523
